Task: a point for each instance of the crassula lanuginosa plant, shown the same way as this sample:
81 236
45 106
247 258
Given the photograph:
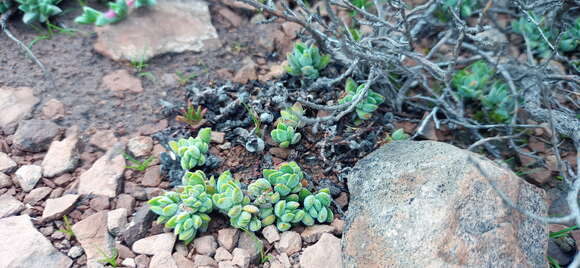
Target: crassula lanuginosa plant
286 131
306 61
185 210
317 208
118 11
368 105
38 10
192 152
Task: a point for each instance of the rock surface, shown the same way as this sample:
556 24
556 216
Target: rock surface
171 26
35 135
122 80
62 156
104 176
28 176
94 237
58 207
6 163
325 253
15 104
155 244
9 206
418 204
23 246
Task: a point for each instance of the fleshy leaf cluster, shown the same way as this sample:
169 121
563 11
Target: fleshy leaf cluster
367 105
317 208
286 131
230 199
38 10
192 152
306 61
286 180
117 12
536 35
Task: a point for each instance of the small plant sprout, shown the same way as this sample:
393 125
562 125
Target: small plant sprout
471 80
368 105
317 208
67 227
255 118
110 260
185 210
291 116
192 116
398 135
498 103
192 151
138 165
285 135
38 10
184 78
306 61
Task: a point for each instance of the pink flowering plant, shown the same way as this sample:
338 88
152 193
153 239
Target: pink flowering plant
118 11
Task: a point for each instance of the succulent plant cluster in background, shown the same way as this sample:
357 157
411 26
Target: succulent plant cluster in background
306 61
368 105
4 6
37 10
192 152
535 37
118 11
277 198
286 131
476 82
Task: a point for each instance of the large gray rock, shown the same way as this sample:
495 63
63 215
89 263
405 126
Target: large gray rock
35 135
171 26
426 204
22 246
15 104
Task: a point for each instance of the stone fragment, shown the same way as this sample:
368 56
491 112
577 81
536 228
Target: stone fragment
58 207
9 206
142 261
200 260
325 253
241 258
152 176
53 109
438 201
218 137
338 225
125 201
7 165
138 227
75 252
27 176
117 221
162 260
182 261
94 237
248 243
247 72
312 233
155 244
171 26
99 203
122 80
228 238
103 139
62 156
205 245
5 180
222 254
129 262
23 246
104 176
36 195
15 104
290 243
35 135
271 234
140 146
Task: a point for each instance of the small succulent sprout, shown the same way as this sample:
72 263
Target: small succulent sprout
317 208
367 105
398 135
285 135
470 81
262 193
38 10
571 38
245 217
192 152
289 116
286 180
228 193
306 61
498 102
287 213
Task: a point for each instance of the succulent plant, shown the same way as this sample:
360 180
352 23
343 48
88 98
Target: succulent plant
285 135
290 118
38 10
185 210
498 102
230 199
118 11
317 208
286 180
4 6
262 193
287 213
571 38
471 80
533 37
306 61
398 135
368 105
192 151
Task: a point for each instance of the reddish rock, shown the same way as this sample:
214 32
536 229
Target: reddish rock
15 104
103 139
246 73
122 80
325 253
104 176
53 109
58 207
152 176
140 146
230 16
